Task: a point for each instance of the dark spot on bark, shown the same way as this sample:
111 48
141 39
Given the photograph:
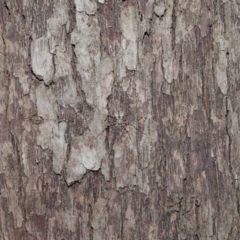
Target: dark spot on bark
39 222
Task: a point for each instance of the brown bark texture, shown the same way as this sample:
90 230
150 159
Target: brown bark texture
119 119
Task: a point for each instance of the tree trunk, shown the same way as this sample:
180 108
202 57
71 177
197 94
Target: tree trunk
119 119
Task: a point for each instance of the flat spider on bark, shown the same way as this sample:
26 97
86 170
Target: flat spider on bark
118 124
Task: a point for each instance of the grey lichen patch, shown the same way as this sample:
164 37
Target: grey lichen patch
129 41
87 6
63 65
45 106
59 146
89 158
221 72
86 39
86 154
75 170
42 60
45 134
88 150
51 133
104 83
221 43
6 152
45 100
170 68
160 9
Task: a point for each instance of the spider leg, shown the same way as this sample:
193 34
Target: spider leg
128 134
105 128
137 129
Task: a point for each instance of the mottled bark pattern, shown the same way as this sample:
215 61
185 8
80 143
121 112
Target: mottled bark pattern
119 119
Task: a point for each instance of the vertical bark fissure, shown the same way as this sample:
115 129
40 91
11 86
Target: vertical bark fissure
173 27
90 217
21 190
229 140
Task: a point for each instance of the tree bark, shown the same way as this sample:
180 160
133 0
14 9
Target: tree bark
119 119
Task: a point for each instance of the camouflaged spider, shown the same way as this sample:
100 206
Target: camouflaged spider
118 126
118 118
121 121
118 121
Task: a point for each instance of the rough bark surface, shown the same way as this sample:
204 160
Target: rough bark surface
119 119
